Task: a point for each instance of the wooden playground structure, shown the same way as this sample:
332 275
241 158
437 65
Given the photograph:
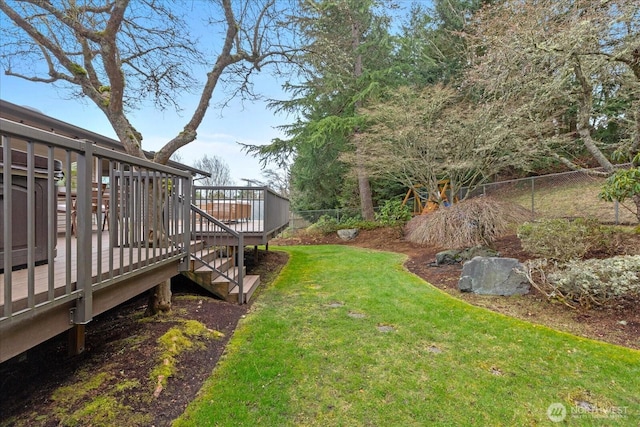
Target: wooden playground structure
427 202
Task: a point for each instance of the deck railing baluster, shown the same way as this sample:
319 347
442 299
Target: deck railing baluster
31 233
52 222
8 225
70 272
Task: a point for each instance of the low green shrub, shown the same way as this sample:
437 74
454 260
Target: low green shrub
327 224
599 282
348 223
393 213
622 185
564 240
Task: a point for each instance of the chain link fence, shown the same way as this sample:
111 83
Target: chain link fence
560 195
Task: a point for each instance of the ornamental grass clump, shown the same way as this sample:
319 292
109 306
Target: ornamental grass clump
471 222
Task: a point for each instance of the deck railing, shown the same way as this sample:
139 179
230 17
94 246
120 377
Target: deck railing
144 206
222 242
84 228
251 210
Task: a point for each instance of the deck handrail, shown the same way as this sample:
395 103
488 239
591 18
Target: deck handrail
277 211
137 240
252 210
205 226
63 276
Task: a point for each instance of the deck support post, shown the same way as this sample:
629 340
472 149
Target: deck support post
76 339
84 306
240 278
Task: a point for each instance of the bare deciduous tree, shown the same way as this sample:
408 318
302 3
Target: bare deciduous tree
424 136
122 54
571 68
561 64
279 180
217 167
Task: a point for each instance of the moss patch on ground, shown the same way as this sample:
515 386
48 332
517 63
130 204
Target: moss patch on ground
187 335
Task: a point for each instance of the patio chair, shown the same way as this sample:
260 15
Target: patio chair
98 194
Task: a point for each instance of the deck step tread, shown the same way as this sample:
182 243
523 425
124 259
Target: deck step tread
249 281
218 263
249 285
232 272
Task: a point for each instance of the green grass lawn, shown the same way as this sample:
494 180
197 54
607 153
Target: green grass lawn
569 199
347 337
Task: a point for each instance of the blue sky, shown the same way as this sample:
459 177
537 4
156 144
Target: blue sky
218 135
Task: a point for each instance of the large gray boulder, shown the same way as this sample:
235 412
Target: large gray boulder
348 234
493 276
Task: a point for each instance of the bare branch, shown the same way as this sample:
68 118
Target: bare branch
573 166
110 57
119 53
31 78
224 59
66 18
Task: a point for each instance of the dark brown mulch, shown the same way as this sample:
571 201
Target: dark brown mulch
119 344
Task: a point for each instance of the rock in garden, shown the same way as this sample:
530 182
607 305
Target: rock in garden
455 256
493 276
348 233
448 257
471 253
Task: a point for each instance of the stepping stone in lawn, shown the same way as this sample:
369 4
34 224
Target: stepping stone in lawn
335 305
434 349
386 328
356 315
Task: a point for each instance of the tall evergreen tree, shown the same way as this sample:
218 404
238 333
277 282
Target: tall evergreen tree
431 46
346 57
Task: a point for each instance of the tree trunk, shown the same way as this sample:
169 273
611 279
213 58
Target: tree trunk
590 145
584 115
364 186
636 200
159 298
635 144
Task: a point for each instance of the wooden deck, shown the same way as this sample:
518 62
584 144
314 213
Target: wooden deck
252 230
118 276
89 272
122 261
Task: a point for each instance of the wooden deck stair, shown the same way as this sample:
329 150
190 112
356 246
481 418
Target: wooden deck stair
220 286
